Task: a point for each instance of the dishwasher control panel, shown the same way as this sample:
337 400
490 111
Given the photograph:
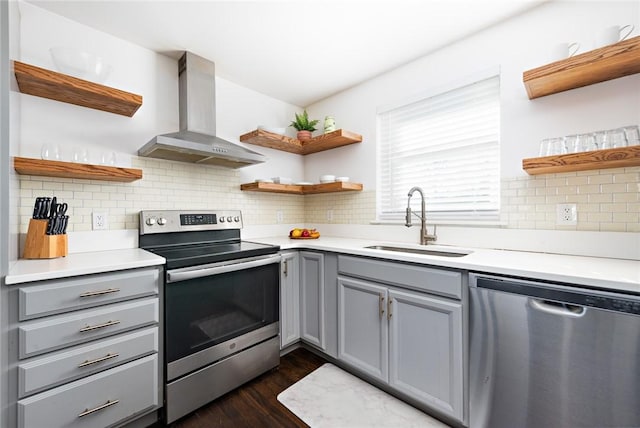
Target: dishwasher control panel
614 304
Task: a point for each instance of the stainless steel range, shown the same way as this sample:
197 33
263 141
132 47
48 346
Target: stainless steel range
221 304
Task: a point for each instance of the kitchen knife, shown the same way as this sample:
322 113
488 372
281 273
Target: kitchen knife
65 221
53 208
60 225
37 207
45 208
50 226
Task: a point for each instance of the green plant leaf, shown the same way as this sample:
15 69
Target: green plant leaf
302 122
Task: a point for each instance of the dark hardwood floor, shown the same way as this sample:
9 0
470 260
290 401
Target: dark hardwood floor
255 404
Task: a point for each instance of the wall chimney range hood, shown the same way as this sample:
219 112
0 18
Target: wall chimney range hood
196 142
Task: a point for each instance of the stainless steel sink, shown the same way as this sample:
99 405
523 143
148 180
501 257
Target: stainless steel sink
423 251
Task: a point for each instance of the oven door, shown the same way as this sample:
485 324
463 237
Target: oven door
220 309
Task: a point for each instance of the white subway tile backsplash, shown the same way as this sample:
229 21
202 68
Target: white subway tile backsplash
607 200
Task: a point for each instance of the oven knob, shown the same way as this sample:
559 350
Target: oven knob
221 219
151 221
236 219
162 221
229 219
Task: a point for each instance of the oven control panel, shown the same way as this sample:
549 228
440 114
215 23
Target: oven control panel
164 221
197 219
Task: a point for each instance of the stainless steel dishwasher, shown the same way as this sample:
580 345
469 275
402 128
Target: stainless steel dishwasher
550 355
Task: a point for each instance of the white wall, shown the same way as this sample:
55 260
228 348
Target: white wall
137 70
517 45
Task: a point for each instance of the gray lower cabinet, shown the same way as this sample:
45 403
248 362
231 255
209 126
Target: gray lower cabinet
425 350
410 340
319 300
289 299
363 333
312 298
87 353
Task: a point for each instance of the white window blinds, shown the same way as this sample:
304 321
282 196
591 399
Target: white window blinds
449 145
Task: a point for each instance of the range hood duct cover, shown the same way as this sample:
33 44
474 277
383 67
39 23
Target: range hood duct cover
196 142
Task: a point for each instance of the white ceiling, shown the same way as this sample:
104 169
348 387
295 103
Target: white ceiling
298 51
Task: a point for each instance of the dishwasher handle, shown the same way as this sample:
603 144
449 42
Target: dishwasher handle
557 308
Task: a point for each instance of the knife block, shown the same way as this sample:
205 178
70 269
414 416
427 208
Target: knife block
39 245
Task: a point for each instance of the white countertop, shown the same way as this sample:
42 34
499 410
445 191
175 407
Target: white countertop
597 272
25 270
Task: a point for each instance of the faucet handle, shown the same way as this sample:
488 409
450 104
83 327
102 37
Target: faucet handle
428 237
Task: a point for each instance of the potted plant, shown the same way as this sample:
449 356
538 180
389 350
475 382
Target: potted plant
304 126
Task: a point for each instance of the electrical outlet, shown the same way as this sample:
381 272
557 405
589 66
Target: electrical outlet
329 215
566 215
99 221
279 216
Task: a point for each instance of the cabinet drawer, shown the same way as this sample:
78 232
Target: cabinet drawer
38 336
70 294
113 395
67 365
437 281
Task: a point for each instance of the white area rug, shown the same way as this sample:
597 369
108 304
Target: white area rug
329 397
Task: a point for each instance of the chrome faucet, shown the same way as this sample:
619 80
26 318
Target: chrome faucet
424 236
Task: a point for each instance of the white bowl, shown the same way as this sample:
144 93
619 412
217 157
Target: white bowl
327 178
273 129
342 178
83 65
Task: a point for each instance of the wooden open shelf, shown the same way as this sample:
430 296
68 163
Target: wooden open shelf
310 189
320 143
49 84
596 159
599 65
50 168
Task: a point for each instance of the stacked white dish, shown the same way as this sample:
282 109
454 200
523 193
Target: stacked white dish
327 178
282 180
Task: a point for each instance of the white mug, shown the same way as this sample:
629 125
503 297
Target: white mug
612 35
564 50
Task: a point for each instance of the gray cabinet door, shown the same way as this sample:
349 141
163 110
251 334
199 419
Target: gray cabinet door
289 299
362 326
425 350
312 298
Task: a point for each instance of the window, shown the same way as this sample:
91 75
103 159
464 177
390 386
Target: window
447 144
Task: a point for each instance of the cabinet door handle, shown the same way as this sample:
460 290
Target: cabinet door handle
95 327
389 303
109 403
381 305
98 360
99 292
286 268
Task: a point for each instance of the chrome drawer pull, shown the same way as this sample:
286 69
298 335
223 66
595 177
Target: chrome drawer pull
109 403
98 360
95 327
100 292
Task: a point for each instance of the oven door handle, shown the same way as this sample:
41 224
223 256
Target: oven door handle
231 267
